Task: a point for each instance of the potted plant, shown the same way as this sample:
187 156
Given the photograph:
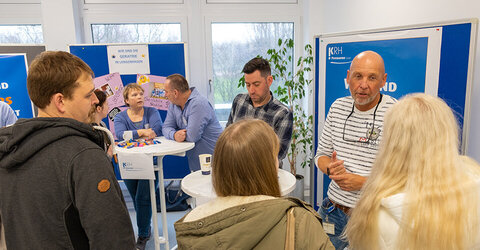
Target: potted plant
296 81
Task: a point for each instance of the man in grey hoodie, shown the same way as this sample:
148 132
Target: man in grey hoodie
57 186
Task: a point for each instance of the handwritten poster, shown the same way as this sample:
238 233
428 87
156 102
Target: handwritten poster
112 86
128 59
154 91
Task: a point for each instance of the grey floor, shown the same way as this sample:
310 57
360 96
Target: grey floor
172 217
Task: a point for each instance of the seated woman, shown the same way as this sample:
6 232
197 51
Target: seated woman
248 213
421 194
100 111
141 122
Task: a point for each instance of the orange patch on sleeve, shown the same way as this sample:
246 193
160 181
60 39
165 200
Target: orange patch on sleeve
103 186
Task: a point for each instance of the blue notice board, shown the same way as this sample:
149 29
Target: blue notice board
164 59
435 59
13 84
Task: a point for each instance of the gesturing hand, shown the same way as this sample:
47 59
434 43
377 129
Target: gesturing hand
349 181
335 167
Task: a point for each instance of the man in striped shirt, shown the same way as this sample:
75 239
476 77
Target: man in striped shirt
350 139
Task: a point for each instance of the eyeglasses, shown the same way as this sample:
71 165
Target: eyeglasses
372 132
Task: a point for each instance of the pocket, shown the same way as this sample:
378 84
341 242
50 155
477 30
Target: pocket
326 203
327 206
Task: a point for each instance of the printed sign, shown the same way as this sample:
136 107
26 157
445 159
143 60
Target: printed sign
13 84
128 59
135 166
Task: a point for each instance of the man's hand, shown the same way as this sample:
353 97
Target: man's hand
335 167
180 135
147 133
349 181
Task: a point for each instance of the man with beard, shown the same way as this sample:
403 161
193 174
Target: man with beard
57 186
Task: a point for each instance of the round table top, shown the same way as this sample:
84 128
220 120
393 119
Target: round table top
165 147
197 185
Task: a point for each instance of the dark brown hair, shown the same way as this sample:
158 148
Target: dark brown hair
54 72
259 64
101 96
178 82
245 160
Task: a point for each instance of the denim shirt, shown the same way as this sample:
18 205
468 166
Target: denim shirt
201 123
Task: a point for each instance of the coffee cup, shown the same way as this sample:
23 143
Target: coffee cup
127 135
205 163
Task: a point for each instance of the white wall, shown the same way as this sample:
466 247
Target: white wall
332 16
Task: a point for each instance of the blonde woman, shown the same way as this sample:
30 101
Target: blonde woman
422 194
248 213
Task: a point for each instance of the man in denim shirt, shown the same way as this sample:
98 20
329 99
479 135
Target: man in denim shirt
190 118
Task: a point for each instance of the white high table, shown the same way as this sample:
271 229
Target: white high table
200 186
166 147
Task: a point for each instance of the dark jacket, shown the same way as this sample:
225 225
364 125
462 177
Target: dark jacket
58 189
255 225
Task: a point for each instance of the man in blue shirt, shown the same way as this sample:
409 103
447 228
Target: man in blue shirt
7 115
190 118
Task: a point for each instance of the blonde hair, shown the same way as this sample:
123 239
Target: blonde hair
245 160
419 156
130 87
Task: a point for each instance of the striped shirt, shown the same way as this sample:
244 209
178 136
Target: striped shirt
352 140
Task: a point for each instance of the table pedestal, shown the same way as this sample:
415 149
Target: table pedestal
159 239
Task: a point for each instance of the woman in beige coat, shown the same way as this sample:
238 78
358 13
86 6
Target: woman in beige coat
248 213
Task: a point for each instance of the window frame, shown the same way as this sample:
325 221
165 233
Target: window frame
297 35
154 14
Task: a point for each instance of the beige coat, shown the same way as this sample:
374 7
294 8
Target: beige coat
255 225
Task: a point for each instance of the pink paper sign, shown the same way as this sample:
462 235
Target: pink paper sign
154 91
112 86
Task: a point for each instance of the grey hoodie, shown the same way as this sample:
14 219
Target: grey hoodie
58 189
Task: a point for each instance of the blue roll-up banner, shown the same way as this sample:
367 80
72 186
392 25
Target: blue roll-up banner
13 84
433 59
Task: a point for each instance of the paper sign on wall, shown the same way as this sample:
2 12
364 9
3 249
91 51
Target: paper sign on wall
128 59
135 166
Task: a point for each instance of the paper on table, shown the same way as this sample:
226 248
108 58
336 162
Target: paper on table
135 166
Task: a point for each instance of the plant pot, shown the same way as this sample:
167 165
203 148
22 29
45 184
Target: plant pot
299 187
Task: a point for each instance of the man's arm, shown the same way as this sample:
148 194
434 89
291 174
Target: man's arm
232 111
283 128
332 166
170 124
7 116
335 170
198 118
99 201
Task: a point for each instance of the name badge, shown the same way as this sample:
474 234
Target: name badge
329 228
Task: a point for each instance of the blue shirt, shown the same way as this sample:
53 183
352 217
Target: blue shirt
200 121
150 116
7 115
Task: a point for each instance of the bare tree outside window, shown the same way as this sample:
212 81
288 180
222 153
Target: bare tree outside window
24 34
233 45
136 33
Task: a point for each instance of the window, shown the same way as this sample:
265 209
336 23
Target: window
29 34
233 45
136 33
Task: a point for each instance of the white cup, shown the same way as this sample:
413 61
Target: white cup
127 135
205 163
